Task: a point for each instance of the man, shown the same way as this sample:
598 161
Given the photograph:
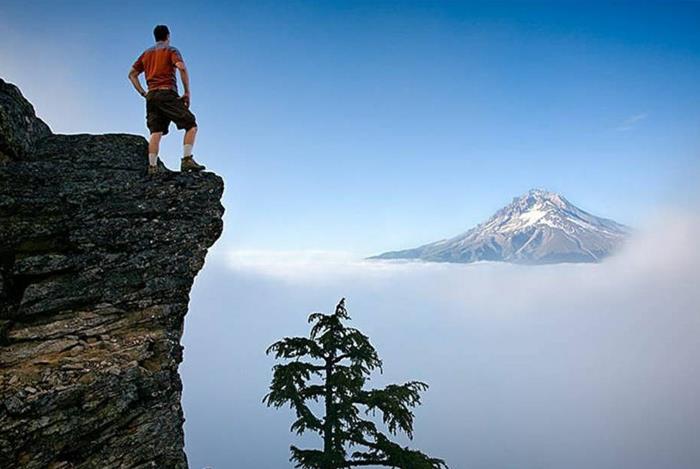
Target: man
163 105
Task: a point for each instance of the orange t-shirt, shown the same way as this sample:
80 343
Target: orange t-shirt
159 64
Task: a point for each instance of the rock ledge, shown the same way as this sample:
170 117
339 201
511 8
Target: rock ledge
96 264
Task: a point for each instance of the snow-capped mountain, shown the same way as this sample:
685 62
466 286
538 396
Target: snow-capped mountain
539 227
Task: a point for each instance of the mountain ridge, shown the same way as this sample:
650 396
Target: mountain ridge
538 227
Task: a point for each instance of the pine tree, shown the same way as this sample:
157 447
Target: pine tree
331 367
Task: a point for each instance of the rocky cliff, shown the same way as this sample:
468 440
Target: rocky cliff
96 265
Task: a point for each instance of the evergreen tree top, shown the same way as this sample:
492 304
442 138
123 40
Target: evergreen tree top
332 365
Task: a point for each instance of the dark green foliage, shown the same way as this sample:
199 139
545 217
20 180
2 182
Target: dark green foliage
337 365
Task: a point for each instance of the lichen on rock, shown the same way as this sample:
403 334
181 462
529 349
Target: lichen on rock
97 260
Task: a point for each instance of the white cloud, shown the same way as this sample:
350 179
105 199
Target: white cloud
632 121
664 247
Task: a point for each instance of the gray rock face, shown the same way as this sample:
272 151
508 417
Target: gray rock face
96 265
539 227
19 127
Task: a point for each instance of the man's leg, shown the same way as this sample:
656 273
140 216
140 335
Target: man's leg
188 163
188 141
154 147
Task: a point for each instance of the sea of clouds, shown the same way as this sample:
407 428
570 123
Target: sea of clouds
542 367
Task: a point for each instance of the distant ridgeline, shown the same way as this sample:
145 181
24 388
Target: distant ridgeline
539 227
96 265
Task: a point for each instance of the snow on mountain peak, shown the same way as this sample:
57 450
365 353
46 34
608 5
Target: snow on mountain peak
537 206
534 196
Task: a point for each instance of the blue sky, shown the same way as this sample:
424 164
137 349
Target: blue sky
368 126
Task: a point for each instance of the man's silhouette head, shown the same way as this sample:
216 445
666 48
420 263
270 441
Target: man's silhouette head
161 33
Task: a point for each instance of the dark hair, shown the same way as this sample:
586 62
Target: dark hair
161 32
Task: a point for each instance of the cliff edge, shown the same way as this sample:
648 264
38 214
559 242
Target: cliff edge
96 264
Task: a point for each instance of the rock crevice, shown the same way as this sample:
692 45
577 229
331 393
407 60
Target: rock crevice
96 264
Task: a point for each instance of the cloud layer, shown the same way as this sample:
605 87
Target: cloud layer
573 366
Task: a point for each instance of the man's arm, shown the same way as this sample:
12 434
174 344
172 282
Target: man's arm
185 77
134 79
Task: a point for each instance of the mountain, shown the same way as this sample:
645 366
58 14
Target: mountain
96 264
540 227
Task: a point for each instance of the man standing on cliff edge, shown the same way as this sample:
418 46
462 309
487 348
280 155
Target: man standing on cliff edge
163 105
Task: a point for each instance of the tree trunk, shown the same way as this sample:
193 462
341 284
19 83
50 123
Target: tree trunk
329 422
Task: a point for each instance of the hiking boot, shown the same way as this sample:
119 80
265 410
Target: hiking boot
153 170
189 164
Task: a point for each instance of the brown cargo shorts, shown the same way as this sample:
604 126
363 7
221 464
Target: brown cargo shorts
164 107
